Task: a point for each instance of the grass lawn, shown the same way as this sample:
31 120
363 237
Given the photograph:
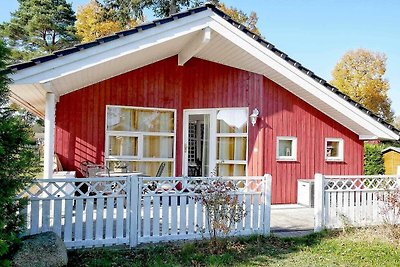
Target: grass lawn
355 248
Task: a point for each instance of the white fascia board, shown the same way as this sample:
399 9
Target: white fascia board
295 75
86 58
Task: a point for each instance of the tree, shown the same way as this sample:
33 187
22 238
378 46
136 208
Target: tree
396 122
91 22
123 10
18 164
40 27
250 21
360 75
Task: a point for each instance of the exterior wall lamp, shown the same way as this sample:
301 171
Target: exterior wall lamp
254 116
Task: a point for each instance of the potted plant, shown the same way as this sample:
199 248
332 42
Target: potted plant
120 167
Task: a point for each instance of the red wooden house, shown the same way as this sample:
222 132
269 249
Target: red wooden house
186 90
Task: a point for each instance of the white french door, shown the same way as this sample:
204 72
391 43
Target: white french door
215 142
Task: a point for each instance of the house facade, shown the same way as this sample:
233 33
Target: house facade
200 94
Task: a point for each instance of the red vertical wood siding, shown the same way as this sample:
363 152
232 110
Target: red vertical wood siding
80 119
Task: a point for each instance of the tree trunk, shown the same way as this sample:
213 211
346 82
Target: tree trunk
172 7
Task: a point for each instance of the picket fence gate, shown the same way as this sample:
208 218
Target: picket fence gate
354 200
87 212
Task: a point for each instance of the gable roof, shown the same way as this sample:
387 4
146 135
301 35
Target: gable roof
172 34
391 148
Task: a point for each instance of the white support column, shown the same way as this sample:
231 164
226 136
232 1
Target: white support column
49 126
398 170
318 202
267 204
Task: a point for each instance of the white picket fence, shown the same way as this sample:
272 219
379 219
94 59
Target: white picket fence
88 212
352 200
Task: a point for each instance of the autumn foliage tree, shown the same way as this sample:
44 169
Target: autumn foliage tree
92 22
360 75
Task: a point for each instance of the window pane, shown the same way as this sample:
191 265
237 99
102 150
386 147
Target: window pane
231 169
285 148
158 147
139 120
232 121
231 148
145 167
332 148
123 146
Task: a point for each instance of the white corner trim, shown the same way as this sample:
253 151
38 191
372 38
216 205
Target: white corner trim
254 48
194 46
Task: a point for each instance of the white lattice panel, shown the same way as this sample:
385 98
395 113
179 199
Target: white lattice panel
356 200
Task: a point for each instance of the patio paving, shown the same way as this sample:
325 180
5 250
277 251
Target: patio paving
292 220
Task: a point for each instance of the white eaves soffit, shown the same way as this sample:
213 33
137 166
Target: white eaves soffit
205 35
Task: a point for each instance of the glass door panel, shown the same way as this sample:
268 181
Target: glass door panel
197 145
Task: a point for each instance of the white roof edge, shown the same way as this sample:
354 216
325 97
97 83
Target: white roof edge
397 149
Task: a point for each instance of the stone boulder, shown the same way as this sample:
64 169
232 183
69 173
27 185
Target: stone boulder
41 250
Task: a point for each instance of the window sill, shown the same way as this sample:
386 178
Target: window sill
283 160
334 160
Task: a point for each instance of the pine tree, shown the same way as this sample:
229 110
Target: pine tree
40 27
18 164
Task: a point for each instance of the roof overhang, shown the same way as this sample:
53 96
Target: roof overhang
205 34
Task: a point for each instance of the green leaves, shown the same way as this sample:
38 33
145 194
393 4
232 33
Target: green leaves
18 164
373 159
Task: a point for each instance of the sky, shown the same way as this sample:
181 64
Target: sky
317 33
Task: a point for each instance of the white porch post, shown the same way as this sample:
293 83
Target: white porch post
318 202
49 124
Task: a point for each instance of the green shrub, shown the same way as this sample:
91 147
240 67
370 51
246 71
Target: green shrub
373 159
18 165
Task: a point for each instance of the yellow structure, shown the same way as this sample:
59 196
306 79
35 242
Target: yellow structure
391 157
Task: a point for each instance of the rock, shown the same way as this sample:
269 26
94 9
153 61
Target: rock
41 250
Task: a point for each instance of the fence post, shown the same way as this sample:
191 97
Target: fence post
318 202
267 179
134 202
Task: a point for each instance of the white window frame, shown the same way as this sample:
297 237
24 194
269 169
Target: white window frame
140 135
294 148
340 148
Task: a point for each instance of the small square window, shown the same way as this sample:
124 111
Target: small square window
334 149
286 148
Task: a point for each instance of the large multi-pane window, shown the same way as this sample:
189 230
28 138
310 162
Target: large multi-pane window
140 139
